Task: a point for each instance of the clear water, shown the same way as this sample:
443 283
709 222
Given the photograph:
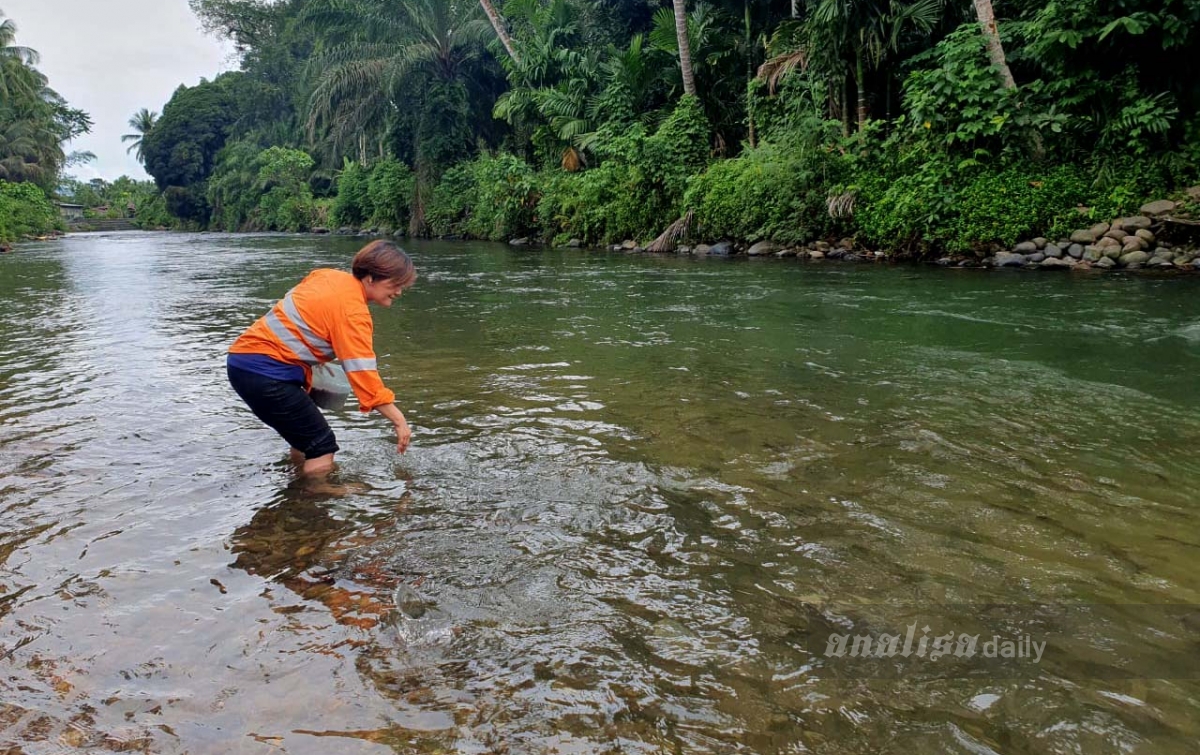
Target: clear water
634 483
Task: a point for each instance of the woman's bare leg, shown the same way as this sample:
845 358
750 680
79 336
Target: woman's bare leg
319 466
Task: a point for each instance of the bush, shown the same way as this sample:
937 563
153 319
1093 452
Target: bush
492 197
390 189
25 211
353 204
766 193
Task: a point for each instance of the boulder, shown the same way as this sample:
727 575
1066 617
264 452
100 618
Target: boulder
1194 193
1055 263
1134 258
761 248
701 249
1116 234
1160 207
1100 229
816 255
836 254
789 252
1028 247
1145 235
1041 242
683 249
1093 253
721 249
519 242
1076 251
628 245
1009 259
1082 265
1084 237
1135 223
1112 252
1035 258
1052 250
399 234
1105 263
822 246
575 243
320 231
1133 244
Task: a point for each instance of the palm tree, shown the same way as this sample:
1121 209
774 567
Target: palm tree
501 31
142 122
685 53
866 31
410 58
13 58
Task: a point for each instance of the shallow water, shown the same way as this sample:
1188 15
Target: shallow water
638 488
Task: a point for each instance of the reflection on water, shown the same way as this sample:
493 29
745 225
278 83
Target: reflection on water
639 488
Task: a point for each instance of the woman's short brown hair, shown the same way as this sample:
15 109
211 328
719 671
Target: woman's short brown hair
384 260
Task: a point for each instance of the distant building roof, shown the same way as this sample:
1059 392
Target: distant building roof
68 206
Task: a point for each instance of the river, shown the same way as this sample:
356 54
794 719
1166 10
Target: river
640 488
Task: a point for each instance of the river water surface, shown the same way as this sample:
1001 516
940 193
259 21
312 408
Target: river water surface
637 487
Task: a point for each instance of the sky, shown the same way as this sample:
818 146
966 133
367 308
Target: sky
111 58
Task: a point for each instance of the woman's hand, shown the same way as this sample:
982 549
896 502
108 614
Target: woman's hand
403 431
403 435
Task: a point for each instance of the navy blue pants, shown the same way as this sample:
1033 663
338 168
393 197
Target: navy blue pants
287 409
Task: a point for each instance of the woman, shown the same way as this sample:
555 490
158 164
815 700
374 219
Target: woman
323 318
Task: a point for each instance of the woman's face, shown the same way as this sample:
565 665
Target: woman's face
381 291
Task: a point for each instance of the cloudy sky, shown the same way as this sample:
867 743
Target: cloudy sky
112 58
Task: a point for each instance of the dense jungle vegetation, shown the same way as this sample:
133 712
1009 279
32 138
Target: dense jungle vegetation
911 125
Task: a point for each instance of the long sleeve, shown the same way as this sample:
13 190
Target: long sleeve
352 343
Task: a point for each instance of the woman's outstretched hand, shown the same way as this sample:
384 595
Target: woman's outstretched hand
403 435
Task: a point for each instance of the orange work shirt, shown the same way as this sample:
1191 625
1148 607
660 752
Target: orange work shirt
323 318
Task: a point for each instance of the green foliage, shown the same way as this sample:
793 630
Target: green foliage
231 191
181 150
25 211
960 103
492 197
288 204
766 193
253 189
353 204
390 191
35 122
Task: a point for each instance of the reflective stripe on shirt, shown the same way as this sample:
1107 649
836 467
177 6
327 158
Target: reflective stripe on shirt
289 339
358 365
289 309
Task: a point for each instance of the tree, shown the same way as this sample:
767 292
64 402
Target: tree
142 122
35 122
12 56
501 32
995 48
180 151
423 57
685 53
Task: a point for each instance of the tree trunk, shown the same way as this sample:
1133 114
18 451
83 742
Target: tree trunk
685 50
862 91
987 19
501 32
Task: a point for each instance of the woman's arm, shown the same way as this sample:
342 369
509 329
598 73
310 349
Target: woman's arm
403 431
